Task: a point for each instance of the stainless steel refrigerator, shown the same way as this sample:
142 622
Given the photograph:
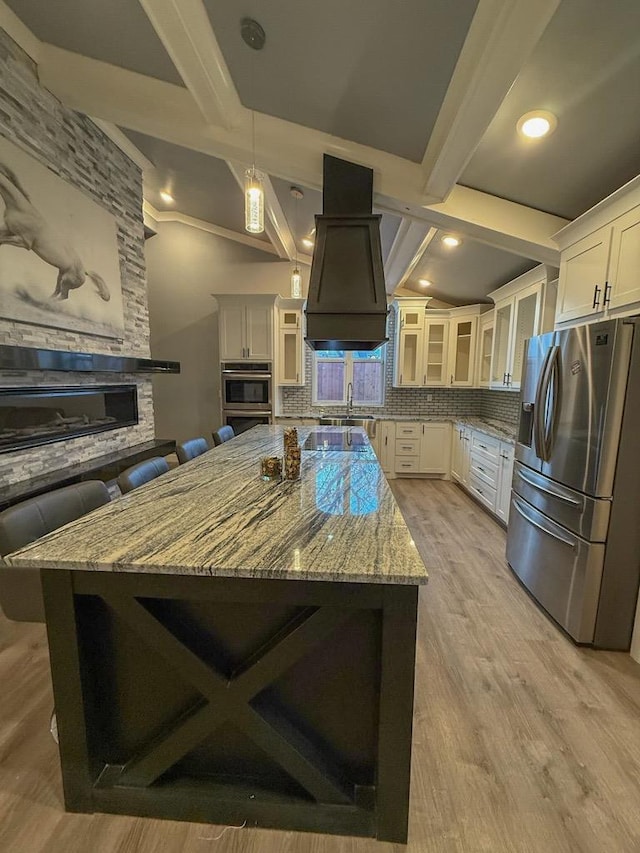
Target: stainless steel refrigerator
574 524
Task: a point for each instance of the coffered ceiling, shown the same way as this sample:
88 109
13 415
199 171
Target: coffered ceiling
425 92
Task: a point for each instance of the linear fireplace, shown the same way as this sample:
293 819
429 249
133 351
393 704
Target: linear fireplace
34 416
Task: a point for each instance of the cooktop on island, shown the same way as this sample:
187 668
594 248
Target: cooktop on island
349 441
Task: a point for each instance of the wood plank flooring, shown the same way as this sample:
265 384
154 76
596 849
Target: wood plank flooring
523 743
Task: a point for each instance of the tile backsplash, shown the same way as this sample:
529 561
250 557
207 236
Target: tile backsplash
421 402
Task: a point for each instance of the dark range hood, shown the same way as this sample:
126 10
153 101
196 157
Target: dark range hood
347 301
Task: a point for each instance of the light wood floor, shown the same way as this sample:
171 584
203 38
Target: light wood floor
522 741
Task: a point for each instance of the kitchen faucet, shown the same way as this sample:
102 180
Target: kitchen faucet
349 398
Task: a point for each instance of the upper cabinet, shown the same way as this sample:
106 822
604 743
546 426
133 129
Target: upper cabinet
434 348
599 260
524 308
290 365
246 327
463 327
486 324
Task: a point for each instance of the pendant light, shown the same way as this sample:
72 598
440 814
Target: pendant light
296 277
254 36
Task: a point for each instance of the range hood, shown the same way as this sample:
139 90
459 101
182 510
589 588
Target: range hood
347 301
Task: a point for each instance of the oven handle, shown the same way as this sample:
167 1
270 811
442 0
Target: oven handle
237 375
243 413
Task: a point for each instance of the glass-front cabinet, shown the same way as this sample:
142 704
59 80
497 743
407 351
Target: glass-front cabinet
462 348
409 362
501 343
436 339
485 347
516 320
290 343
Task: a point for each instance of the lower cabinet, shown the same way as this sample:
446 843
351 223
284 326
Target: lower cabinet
423 448
384 446
484 466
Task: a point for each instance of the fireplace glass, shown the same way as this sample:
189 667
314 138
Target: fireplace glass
33 416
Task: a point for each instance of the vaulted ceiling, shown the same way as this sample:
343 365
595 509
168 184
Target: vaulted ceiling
426 93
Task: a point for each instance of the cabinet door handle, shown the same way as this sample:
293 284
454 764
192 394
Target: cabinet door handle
596 296
508 379
423 429
504 378
607 294
451 383
401 379
386 439
424 381
297 378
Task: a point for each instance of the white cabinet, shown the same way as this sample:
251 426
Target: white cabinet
422 448
290 347
436 343
435 448
624 262
599 259
434 348
583 273
246 327
460 453
505 476
409 342
523 309
462 349
485 346
484 466
385 446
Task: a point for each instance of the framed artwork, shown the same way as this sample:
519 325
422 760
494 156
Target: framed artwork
59 262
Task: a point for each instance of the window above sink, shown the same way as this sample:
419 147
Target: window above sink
334 370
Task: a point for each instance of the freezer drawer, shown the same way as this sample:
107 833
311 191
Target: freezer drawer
561 570
583 515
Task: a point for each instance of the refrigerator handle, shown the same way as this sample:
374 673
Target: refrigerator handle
556 390
538 409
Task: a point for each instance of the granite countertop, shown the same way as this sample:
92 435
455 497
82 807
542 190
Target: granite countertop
214 516
503 430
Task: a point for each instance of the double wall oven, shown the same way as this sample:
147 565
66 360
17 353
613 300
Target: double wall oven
246 389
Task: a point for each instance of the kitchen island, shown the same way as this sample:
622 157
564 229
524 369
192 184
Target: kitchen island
229 650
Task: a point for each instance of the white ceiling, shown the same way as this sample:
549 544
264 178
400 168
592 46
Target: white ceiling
396 87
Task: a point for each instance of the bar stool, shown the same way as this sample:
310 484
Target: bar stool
20 591
191 448
143 472
224 433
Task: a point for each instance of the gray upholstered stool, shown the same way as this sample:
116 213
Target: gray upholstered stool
20 591
225 433
191 448
142 473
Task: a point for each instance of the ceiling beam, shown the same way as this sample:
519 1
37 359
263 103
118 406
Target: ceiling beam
289 151
502 36
494 221
185 30
410 243
238 237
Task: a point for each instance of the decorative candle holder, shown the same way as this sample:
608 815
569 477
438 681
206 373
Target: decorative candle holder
291 454
271 468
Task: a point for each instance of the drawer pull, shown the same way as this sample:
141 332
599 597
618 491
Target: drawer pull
480 469
483 446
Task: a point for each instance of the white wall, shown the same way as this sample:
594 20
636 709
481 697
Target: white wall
184 267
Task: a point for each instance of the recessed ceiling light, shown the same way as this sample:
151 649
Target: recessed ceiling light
166 197
451 241
424 282
308 242
536 124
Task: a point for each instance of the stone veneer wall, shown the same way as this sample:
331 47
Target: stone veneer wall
421 402
74 148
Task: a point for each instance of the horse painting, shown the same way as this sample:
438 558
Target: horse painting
26 228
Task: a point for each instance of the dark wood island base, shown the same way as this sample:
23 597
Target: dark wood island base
279 703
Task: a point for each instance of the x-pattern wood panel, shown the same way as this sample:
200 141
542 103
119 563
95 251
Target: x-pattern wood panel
229 699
